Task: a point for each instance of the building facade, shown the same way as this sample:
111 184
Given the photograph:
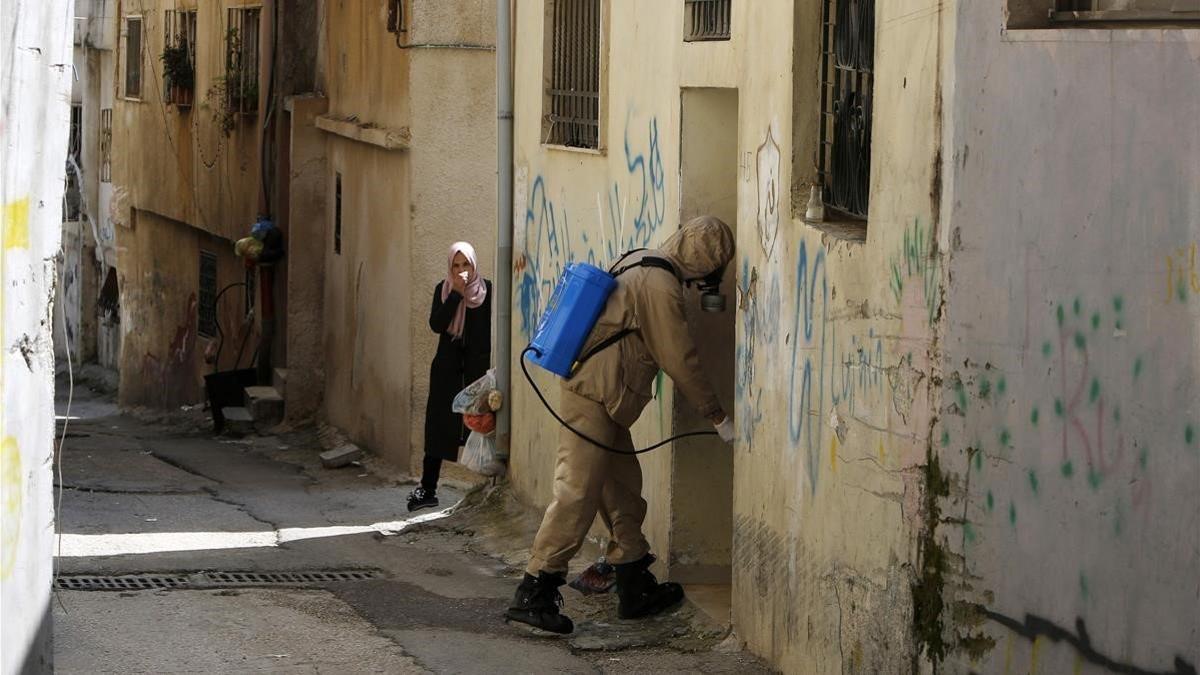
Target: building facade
960 435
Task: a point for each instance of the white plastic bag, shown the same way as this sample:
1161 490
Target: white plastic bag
474 399
479 455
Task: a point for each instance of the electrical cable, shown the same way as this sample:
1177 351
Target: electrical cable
525 369
58 454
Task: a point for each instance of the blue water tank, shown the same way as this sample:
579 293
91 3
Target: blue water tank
570 316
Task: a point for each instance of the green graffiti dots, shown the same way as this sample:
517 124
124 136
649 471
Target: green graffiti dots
1080 341
1182 292
1118 303
1083 585
1033 481
1094 478
991 501
1047 349
1001 386
969 533
1012 514
1061 315
1143 458
985 388
1005 437
1096 321
1094 391
1068 469
1189 434
1034 416
961 392
1076 307
1058 407
979 460
945 438
1137 368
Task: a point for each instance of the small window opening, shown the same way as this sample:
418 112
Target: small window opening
106 145
337 215
397 19
574 95
707 20
133 57
179 56
847 63
242 60
73 197
109 302
207 308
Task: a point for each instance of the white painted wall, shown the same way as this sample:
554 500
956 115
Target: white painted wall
33 133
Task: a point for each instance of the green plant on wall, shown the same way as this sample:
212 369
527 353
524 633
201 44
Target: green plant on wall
178 71
236 92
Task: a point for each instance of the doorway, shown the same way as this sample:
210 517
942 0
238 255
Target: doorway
702 468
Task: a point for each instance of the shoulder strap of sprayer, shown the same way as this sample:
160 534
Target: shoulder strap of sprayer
615 271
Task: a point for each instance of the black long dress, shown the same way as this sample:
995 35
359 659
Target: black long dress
456 364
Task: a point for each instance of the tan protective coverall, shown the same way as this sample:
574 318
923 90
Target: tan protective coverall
608 392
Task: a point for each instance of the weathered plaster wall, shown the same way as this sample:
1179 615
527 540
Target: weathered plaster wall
402 208
835 338
1071 419
34 123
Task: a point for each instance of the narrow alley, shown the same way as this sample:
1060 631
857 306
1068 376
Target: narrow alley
184 552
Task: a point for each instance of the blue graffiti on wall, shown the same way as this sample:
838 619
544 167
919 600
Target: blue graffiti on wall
801 402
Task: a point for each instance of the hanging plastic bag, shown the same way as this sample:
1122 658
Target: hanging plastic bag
480 456
474 399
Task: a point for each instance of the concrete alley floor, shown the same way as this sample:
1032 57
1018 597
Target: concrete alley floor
151 497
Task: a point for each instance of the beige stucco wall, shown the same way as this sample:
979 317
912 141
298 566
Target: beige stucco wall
184 178
403 208
834 337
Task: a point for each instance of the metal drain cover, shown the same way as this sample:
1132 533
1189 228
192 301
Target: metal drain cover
202 580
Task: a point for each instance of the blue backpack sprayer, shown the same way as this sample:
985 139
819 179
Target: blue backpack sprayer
574 307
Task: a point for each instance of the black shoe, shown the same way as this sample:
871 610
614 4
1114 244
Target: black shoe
640 593
536 604
420 498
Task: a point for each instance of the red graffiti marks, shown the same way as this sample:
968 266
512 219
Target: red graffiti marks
173 379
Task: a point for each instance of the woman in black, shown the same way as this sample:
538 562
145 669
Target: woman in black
462 317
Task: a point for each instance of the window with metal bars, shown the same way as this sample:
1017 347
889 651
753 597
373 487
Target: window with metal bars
106 145
207 306
397 19
847 63
133 57
1187 11
573 98
72 198
706 20
179 56
242 60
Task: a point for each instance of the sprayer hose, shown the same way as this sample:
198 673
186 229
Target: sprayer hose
524 369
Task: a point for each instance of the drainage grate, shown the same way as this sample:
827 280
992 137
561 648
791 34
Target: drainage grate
286 578
123 583
140 582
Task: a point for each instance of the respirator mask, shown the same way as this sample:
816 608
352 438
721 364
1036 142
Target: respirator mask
711 299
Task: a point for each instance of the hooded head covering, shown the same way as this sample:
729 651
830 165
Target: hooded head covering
475 292
702 246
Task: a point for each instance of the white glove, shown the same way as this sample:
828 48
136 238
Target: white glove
725 430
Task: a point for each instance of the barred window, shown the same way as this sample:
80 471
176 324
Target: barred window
133 57
573 97
72 197
179 56
847 62
1127 10
241 60
397 20
106 145
207 306
706 20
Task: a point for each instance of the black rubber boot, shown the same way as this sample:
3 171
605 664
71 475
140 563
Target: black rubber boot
640 593
537 602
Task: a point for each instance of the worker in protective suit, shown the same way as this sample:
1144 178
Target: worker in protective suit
602 399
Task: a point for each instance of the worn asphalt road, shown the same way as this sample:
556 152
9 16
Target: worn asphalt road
153 497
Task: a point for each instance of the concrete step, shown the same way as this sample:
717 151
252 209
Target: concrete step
280 377
265 404
238 421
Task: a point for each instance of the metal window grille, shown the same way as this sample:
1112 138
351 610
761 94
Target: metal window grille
133 57
337 215
241 60
72 198
707 19
180 30
574 93
106 145
847 63
207 320
397 20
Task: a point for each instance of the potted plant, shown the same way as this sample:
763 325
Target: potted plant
179 73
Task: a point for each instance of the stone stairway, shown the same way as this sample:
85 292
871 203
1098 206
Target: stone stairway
262 409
